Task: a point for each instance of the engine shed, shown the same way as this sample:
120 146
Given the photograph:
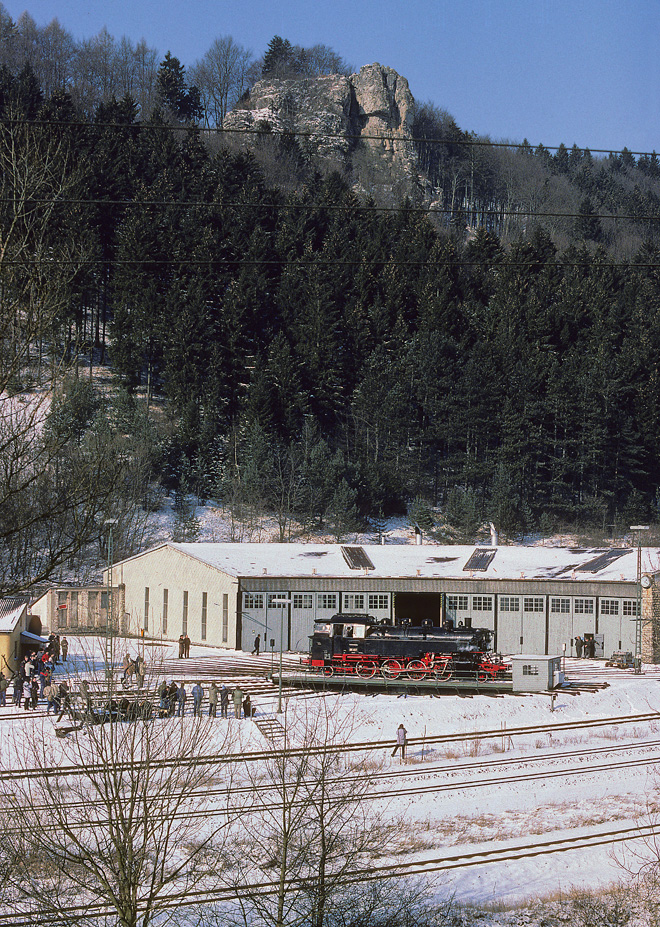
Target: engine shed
533 599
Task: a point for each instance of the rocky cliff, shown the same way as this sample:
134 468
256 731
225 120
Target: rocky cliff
361 124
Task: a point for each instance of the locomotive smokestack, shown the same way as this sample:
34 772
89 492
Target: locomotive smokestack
494 539
418 536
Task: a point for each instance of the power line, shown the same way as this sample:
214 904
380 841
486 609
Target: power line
502 264
523 147
461 211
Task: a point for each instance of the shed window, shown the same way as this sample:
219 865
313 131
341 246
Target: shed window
630 607
302 600
253 600
225 617
457 603
326 600
609 606
353 602
146 608
530 669
482 603
378 601
510 603
184 616
205 602
583 606
533 604
560 606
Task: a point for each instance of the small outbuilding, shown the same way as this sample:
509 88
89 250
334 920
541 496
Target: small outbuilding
535 673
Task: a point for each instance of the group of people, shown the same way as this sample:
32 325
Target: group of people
585 648
184 646
173 699
134 667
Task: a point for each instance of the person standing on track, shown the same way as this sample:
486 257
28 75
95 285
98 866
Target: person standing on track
181 698
182 647
224 700
198 695
401 741
186 646
213 701
237 698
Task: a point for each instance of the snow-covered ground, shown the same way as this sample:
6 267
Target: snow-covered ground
485 809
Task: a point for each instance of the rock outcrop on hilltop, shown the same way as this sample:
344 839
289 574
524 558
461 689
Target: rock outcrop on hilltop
360 124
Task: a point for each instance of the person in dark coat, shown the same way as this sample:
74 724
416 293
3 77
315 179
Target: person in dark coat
257 644
186 642
181 699
182 647
172 698
62 645
578 647
224 701
36 686
247 707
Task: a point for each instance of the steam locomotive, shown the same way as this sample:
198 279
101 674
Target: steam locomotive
360 645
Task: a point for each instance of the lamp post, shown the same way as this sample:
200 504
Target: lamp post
281 600
110 522
637 530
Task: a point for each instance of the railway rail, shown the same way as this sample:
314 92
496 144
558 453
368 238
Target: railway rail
445 862
485 780
357 747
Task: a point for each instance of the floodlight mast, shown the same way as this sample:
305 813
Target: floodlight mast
637 530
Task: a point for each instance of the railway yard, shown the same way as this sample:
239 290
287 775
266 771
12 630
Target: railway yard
503 799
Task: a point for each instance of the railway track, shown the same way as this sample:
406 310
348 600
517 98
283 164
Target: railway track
266 794
430 865
357 747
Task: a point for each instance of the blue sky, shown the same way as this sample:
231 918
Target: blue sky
583 71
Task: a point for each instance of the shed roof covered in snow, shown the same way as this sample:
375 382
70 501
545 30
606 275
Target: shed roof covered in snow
420 561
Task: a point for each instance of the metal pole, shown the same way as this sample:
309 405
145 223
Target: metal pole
110 522
286 602
637 529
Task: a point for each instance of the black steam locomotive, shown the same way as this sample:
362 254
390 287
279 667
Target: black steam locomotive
360 645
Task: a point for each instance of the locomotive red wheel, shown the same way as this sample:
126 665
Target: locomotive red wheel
442 671
365 670
416 670
391 669
328 671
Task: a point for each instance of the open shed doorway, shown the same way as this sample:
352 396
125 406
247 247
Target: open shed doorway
418 607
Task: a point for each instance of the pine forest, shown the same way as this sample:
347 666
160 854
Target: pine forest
282 343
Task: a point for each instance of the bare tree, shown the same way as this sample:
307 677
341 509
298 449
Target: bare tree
314 826
115 823
53 484
222 76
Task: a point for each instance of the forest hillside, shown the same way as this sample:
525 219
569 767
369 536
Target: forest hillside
325 333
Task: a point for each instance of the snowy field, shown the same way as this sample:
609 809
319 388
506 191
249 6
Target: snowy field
499 815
